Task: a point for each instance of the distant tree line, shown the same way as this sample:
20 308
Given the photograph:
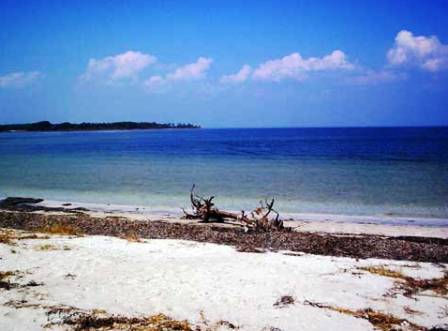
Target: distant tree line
66 126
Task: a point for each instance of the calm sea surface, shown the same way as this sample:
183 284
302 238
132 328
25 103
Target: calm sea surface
365 171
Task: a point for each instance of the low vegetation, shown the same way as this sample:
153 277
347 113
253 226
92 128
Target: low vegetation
66 126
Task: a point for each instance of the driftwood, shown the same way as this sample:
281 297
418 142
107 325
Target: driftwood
256 220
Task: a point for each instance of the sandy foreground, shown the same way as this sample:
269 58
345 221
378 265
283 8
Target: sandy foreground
212 286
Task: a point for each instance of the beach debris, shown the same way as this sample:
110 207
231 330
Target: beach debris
381 321
355 246
284 301
4 280
98 320
257 220
408 310
412 286
206 325
76 319
440 327
7 285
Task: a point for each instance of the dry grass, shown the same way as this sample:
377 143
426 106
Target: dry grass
64 229
383 271
412 286
6 236
408 310
381 321
436 285
45 247
10 237
75 319
51 247
98 320
131 237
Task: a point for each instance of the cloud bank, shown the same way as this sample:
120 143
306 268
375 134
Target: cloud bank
19 79
294 66
428 53
121 66
239 77
290 67
190 72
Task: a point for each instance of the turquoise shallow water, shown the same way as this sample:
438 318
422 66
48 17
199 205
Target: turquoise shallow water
377 171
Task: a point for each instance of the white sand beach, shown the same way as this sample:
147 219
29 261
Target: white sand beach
206 284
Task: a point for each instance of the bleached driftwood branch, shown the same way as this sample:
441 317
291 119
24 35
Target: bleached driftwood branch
256 220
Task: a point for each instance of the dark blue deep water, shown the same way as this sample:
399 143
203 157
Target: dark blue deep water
368 171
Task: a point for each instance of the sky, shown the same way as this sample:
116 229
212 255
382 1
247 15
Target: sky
225 63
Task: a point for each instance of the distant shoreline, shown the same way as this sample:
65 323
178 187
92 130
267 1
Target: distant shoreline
46 126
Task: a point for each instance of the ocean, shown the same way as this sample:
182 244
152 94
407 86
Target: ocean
344 171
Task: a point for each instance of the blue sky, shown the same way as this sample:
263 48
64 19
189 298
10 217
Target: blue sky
225 63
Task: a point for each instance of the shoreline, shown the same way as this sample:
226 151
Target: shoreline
145 211
313 223
306 222
411 247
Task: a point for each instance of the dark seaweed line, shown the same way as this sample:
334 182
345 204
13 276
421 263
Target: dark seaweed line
371 246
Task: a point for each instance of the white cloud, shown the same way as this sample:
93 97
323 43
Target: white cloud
295 67
239 77
189 72
19 79
426 52
125 65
